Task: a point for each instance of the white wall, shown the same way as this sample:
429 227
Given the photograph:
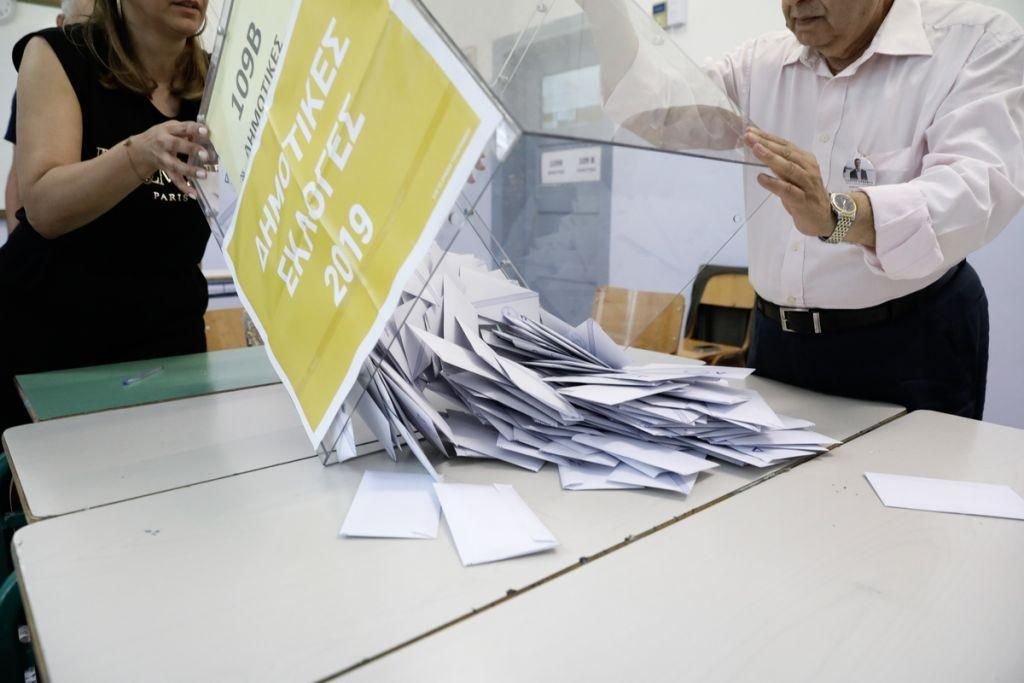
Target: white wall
716 26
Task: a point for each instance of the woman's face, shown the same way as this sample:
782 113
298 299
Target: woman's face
179 17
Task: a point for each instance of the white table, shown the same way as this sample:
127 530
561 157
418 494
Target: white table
243 578
75 463
807 577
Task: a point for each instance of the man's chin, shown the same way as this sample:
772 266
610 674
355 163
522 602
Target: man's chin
815 39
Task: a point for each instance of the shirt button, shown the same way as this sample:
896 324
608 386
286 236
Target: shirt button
824 137
796 247
790 300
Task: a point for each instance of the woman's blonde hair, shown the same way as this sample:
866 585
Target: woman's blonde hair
123 67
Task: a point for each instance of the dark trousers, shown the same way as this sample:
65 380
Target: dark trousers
933 358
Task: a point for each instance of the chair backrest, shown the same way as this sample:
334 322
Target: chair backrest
225 329
646 320
723 306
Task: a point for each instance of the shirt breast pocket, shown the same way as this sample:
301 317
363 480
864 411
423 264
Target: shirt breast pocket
896 166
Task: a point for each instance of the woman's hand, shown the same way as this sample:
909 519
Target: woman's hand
160 149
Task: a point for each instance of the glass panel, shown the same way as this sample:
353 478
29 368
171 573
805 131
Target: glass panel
608 73
572 219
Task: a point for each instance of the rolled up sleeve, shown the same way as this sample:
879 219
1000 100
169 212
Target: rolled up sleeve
972 179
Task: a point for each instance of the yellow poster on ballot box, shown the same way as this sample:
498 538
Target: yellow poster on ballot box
248 62
372 129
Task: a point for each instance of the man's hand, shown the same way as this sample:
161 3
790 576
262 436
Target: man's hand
802 191
797 183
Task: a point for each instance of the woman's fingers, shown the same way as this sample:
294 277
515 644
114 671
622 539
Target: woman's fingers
182 183
188 149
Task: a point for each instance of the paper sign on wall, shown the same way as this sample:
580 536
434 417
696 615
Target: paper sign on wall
371 130
577 165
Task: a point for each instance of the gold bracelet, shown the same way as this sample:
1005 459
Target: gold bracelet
131 162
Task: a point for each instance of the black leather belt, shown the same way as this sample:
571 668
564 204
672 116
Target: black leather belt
820 320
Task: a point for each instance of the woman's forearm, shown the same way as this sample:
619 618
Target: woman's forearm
67 197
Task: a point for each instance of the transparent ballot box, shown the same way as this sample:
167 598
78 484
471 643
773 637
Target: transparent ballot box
616 172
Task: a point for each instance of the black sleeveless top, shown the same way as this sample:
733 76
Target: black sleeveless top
125 286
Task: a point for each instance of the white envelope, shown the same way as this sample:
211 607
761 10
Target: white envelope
668 481
660 457
587 477
414 446
571 450
668 371
377 421
944 495
393 505
517 459
492 292
476 440
456 306
457 356
789 437
490 523
590 336
609 395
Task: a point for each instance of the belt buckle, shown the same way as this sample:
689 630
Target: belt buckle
815 318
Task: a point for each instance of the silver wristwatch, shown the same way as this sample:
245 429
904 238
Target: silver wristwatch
845 211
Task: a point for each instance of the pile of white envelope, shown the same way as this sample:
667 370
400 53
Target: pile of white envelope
520 386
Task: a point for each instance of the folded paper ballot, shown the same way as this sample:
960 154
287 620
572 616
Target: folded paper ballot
393 505
944 495
490 523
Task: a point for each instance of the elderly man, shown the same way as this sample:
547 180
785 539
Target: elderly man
863 290
71 11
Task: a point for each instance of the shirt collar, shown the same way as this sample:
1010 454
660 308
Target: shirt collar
902 33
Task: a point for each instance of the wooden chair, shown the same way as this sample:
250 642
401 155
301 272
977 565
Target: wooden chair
721 320
225 329
645 320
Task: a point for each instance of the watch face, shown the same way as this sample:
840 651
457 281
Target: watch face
844 203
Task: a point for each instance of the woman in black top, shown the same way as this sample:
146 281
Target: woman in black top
104 265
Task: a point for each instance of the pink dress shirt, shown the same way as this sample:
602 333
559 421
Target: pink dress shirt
935 104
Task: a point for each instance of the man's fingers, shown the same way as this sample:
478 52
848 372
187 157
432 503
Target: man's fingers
768 136
783 148
780 188
784 168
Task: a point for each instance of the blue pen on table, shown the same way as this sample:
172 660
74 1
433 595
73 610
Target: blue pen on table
129 381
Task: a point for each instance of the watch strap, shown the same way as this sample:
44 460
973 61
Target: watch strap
844 222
